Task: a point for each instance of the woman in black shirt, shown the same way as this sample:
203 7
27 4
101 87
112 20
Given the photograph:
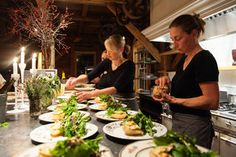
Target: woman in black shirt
194 88
119 76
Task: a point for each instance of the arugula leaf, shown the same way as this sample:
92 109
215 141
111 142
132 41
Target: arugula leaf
74 125
144 122
4 124
76 147
184 146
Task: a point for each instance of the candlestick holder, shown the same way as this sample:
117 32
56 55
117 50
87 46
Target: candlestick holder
22 71
33 72
16 77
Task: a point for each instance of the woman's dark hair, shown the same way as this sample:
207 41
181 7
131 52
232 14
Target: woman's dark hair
188 23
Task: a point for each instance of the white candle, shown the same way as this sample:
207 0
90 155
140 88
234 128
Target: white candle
22 55
40 60
34 61
15 70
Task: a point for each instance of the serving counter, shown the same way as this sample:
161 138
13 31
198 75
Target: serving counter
15 138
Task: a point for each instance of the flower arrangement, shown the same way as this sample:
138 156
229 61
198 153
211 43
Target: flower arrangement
40 91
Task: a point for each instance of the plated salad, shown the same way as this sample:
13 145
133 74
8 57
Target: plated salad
176 145
138 124
73 147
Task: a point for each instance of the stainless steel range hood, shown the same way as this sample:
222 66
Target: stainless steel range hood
218 23
222 23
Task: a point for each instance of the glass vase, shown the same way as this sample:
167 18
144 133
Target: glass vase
35 108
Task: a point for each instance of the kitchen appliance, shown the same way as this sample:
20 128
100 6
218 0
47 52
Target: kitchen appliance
224 122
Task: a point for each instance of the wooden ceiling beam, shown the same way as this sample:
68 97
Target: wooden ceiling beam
86 19
94 2
84 14
138 35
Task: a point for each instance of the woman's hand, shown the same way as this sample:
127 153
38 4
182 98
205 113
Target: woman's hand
161 88
71 82
84 95
162 81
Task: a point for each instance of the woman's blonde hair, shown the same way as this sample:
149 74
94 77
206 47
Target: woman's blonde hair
117 41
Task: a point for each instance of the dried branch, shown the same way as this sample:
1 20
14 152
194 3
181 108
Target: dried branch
41 21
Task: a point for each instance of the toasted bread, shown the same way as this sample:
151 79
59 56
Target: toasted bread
55 130
119 115
56 133
44 151
102 106
57 116
161 151
132 129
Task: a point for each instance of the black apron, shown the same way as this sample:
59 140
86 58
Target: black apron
128 99
195 126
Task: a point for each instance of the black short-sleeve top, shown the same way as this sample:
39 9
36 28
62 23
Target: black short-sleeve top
121 78
185 83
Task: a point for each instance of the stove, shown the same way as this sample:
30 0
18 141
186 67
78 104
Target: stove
227 110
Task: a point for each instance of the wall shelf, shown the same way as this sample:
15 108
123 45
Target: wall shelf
227 68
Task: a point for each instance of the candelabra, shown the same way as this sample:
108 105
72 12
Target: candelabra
16 78
33 72
22 71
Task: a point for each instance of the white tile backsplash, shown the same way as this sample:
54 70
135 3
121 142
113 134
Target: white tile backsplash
221 48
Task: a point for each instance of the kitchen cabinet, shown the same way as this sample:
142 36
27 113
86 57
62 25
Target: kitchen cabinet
145 66
147 69
227 68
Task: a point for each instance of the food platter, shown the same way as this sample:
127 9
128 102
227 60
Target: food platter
48 117
96 107
143 148
34 152
114 129
42 134
103 115
79 105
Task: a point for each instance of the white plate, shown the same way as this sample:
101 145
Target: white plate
84 88
115 129
65 96
96 107
103 115
92 102
142 148
34 151
42 134
80 107
47 117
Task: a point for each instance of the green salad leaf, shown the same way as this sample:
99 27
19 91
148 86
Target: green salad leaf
74 125
76 147
144 122
184 146
4 124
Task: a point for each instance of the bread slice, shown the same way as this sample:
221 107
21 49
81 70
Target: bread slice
58 116
45 150
102 106
55 130
119 115
132 129
161 151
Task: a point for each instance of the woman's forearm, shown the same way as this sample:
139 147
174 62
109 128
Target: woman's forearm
109 90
